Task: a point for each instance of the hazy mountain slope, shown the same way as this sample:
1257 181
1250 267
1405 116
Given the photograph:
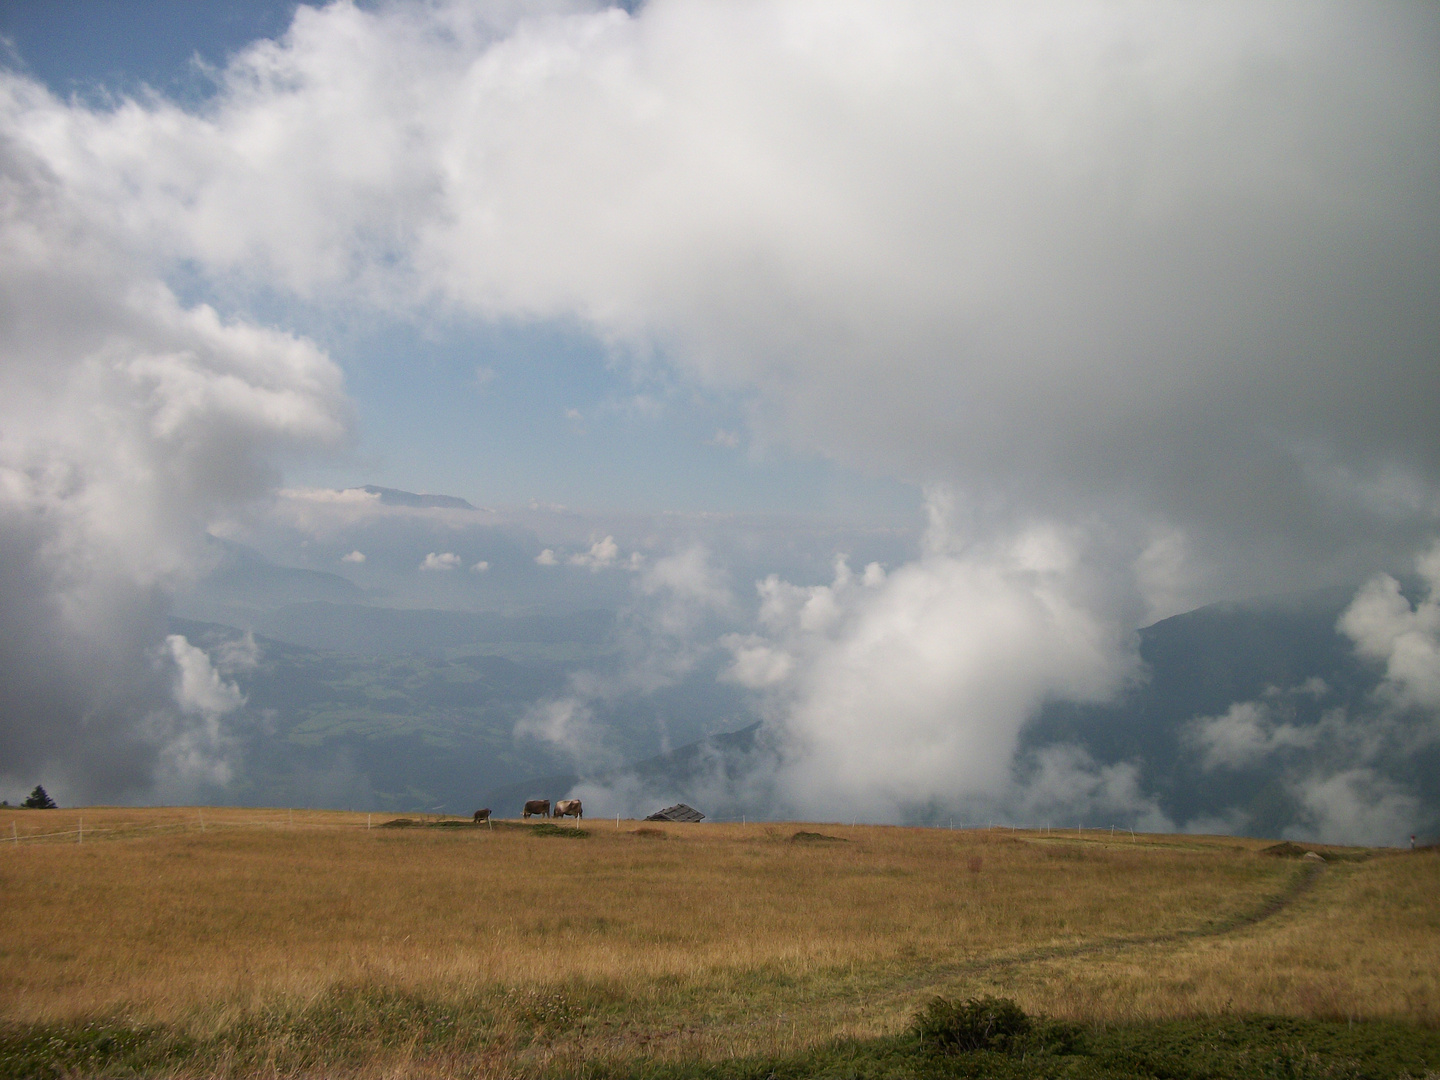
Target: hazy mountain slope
416 500
1283 653
242 584
380 631
1199 664
413 728
330 729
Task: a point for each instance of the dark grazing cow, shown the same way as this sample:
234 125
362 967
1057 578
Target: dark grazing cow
482 815
569 808
538 806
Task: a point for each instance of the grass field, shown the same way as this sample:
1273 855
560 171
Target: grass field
279 943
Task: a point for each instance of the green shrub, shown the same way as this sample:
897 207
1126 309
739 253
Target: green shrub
958 1027
546 828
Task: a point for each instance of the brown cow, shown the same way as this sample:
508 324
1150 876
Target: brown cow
569 808
538 806
482 815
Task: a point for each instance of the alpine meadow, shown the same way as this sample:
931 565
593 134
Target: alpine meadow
277 942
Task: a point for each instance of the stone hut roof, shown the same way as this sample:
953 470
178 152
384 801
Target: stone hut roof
678 812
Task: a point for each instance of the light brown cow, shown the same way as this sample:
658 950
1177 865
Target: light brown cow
540 807
482 815
569 808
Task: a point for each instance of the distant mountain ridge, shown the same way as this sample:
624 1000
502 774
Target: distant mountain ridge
244 576
1198 665
416 500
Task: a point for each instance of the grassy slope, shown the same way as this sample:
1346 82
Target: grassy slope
260 942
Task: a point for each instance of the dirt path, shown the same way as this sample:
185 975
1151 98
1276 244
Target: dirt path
1298 885
834 1012
898 997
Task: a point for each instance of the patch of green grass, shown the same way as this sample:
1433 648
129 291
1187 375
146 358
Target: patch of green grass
349 1029
342 1027
43 1052
547 828
1227 1048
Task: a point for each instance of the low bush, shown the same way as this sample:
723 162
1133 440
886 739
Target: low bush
957 1027
546 828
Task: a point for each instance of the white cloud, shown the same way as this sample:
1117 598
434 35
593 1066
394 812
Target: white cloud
1082 258
480 567
1167 578
130 425
602 554
447 560
1344 770
356 557
758 663
1246 735
198 686
238 654
1356 806
687 586
1062 785
1385 626
194 746
353 497
567 723
909 689
546 558
671 623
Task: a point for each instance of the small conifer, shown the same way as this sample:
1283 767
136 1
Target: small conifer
39 800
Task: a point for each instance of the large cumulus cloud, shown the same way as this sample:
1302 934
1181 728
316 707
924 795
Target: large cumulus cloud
1177 261
899 693
129 421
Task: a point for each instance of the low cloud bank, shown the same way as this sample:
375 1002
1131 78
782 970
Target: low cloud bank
904 696
899 696
907 691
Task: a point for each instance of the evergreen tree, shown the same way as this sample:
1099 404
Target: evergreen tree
39 800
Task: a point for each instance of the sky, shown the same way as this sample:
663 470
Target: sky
497 411
1117 308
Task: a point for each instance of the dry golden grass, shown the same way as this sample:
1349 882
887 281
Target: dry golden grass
707 939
